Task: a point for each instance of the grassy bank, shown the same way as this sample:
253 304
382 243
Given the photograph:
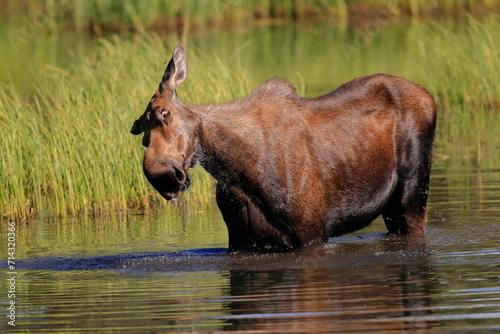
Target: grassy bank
66 149
100 16
462 70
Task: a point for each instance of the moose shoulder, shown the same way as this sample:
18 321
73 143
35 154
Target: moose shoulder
291 171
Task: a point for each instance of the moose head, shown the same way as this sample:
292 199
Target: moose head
168 126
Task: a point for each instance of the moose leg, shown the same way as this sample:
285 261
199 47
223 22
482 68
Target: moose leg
247 226
234 214
406 212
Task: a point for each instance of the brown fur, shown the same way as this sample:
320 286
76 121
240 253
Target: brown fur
292 170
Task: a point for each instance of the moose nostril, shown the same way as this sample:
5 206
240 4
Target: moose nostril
136 128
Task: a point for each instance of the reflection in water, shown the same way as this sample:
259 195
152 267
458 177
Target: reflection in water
138 277
349 285
328 294
368 280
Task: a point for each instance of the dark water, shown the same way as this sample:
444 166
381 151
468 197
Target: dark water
151 274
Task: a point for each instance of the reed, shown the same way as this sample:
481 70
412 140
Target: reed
68 150
100 16
461 67
460 58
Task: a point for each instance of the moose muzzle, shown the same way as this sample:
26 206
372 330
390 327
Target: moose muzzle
166 176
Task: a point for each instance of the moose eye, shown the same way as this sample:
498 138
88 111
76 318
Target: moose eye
163 114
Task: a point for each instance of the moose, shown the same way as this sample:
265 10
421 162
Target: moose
290 170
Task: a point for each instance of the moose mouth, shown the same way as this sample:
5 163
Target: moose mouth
168 195
170 191
169 183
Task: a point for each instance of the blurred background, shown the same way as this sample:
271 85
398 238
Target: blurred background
75 74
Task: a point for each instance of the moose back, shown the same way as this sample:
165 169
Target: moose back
290 170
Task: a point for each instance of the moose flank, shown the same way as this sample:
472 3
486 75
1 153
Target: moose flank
291 171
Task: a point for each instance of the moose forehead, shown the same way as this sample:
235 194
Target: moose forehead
144 121
158 101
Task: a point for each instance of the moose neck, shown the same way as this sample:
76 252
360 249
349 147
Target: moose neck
226 146
234 137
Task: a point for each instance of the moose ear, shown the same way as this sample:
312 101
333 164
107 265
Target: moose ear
176 70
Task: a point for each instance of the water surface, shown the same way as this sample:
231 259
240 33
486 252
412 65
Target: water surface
157 274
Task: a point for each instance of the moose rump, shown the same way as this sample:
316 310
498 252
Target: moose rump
291 170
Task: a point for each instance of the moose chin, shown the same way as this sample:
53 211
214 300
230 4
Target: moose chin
291 171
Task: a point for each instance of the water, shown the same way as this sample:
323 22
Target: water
169 272
151 274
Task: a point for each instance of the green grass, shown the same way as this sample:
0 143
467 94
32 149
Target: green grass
467 56
66 148
461 67
101 16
